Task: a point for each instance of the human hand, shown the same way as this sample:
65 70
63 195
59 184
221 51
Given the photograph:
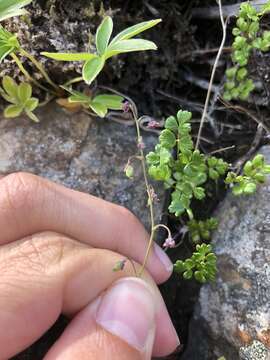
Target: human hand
57 251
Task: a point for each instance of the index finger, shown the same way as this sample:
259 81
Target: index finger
30 204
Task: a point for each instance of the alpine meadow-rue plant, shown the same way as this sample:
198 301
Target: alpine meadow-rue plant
175 161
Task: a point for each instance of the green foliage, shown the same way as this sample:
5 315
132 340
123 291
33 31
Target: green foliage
100 104
8 43
121 43
20 97
248 37
188 171
10 8
201 229
201 265
254 173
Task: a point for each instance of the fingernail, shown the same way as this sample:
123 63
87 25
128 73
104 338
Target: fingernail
163 257
127 310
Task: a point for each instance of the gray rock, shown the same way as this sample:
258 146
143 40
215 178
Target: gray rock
255 351
235 310
85 154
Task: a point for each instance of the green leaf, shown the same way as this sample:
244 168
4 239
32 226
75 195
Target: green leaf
77 96
4 52
24 92
32 116
100 109
171 124
13 111
103 35
10 87
92 68
10 8
31 104
184 116
129 171
114 102
69 56
167 139
199 193
125 46
134 30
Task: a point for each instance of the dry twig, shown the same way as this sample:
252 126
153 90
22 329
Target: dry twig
224 25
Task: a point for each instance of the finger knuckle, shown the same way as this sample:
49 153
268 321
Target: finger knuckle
37 255
19 190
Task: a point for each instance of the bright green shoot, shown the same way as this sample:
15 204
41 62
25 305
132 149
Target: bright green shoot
100 104
201 265
10 8
121 43
20 98
8 43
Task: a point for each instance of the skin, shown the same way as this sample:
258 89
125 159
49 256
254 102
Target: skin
57 251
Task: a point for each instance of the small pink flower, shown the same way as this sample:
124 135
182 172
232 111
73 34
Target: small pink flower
153 124
169 243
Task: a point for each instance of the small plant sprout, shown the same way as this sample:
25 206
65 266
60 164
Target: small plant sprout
20 98
201 230
201 265
10 8
121 43
254 173
248 38
100 104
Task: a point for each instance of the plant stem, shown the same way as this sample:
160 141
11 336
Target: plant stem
73 81
39 66
26 73
224 24
150 201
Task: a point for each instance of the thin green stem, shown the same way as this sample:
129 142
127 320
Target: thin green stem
26 73
39 66
150 201
73 81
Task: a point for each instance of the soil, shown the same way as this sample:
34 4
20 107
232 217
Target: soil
176 76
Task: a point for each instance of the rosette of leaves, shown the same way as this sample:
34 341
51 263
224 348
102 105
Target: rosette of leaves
20 98
99 104
186 172
201 229
254 174
248 37
121 43
201 265
10 8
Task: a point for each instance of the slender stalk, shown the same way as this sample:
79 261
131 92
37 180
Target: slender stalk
26 73
73 81
39 66
150 201
223 23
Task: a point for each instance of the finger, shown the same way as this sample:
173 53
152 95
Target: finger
46 274
85 339
29 204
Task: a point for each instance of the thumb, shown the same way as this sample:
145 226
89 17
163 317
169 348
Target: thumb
119 325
